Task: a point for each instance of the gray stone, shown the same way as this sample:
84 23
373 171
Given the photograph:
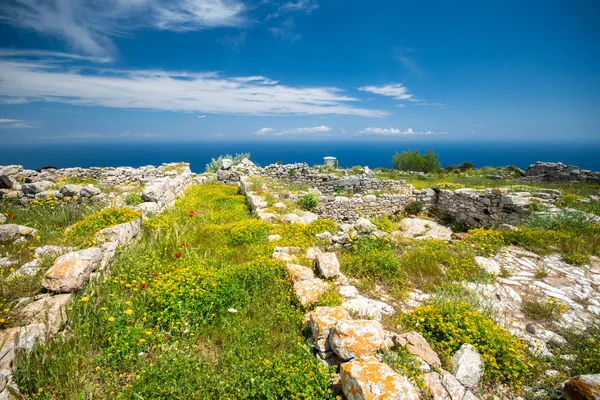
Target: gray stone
468 366
90 191
226 163
35 187
328 265
49 311
71 271
5 182
363 225
368 308
9 232
71 190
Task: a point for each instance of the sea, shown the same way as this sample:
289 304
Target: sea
348 153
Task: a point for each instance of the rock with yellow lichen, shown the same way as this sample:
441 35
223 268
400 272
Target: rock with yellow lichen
350 339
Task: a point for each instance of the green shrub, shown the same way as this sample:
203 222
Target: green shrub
543 310
133 199
412 160
215 164
308 202
292 172
339 191
82 233
564 219
485 241
414 207
448 328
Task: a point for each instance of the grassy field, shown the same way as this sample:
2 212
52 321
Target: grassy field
195 309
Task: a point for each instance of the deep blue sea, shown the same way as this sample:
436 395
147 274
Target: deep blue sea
373 154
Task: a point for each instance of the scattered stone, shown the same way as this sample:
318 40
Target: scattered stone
28 269
299 272
444 386
356 338
531 328
36 187
309 291
583 387
226 163
291 218
322 320
89 191
416 344
5 182
9 232
363 225
348 291
326 236
71 190
368 379
490 266
328 265
468 366
71 271
283 256
423 229
312 253
368 308
308 217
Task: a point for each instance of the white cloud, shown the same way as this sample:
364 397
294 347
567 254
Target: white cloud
206 92
6 123
285 32
262 131
395 90
293 131
307 6
88 25
396 132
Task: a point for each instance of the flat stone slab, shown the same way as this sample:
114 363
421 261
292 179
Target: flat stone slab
356 338
368 379
309 291
322 320
416 228
71 271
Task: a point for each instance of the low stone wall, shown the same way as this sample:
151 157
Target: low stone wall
301 173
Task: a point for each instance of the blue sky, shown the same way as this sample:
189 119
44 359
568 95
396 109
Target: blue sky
147 70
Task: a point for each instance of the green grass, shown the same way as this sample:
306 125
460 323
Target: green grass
195 309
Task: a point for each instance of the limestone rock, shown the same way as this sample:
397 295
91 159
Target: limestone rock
368 379
28 269
363 225
278 255
468 366
490 266
444 386
312 253
71 271
309 291
368 308
423 229
71 190
5 182
9 232
328 265
89 191
348 291
322 321
350 339
50 311
36 187
226 163
308 217
299 272
291 218
417 345
583 387
121 234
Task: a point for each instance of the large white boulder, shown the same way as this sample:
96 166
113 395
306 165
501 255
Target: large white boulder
468 366
328 265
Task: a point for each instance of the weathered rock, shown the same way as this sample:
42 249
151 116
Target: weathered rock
36 187
71 271
328 265
423 229
278 255
71 190
308 217
49 311
322 320
349 292
368 308
299 272
5 182
309 291
16 339
89 191
312 253
291 218
444 386
350 339
417 345
490 266
583 387
121 234
363 225
28 269
226 163
468 366
9 232
368 379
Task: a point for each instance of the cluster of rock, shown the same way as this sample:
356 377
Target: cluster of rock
44 315
362 182
559 172
231 173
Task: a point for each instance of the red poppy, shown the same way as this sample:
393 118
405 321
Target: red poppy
177 255
192 213
176 267
14 217
185 244
287 281
155 274
143 286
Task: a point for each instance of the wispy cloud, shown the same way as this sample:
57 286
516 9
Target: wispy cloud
234 42
6 123
402 55
396 132
306 6
292 131
88 25
394 90
206 92
286 32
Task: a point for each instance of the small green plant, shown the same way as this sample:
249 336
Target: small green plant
308 202
414 207
133 199
542 310
339 191
292 172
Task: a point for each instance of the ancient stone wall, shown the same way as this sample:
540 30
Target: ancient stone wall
559 172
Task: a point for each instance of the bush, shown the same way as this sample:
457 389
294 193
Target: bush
414 207
543 310
447 328
308 202
82 233
412 160
215 164
485 241
133 199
